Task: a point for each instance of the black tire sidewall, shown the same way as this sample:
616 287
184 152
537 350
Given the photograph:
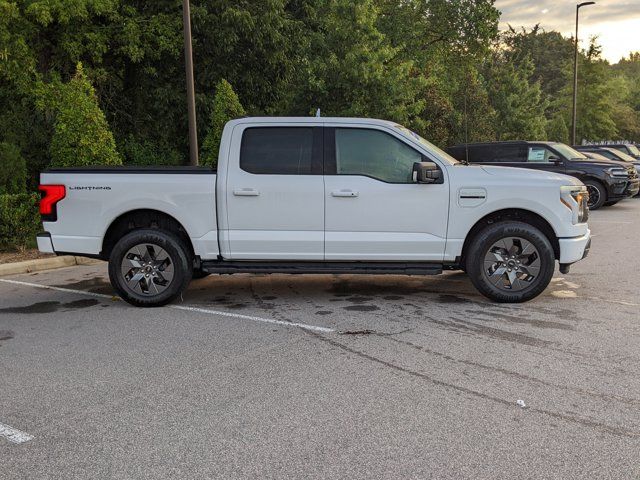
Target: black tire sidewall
601 189
491 234
174 248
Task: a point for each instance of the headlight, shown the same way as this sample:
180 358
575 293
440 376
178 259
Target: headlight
617 172
575 198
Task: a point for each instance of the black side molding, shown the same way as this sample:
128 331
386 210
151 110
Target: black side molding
369 268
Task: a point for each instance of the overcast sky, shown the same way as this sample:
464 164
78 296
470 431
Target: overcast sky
616 23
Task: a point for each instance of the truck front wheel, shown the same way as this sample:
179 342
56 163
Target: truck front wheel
510 262
149 267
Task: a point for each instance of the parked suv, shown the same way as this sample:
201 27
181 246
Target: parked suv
628 148
607 181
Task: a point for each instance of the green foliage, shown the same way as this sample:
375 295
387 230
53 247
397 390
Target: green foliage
557 130
13 170
136 152
19 220
226 106
81 133
351 68
518 103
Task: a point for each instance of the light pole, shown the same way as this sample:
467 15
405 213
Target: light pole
191 95
575 75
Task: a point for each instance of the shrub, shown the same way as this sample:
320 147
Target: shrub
19 220
81 134
226 106
13 169
135 152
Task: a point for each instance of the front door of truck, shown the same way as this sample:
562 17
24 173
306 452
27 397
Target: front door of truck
374 210
275 194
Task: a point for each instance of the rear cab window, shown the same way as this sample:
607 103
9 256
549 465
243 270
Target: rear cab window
281 150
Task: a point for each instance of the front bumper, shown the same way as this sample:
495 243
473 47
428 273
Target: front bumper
45 245
623 189
633 188
575 248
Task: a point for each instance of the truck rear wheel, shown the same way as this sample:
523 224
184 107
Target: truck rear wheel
510 262
149 267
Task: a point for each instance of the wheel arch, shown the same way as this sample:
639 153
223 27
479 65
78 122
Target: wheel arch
142 218
517 214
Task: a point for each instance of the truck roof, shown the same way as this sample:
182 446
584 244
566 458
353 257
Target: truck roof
314 120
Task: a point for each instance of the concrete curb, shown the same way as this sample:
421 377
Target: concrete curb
37 265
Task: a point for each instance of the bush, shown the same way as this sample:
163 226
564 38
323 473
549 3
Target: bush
147 153
226 106
13 169
81 133
19 220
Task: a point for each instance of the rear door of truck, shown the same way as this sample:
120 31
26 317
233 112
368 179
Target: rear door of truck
274 193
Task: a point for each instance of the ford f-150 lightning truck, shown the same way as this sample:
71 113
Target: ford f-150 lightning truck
317 195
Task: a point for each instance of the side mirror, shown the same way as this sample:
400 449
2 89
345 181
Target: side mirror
426 172
554 159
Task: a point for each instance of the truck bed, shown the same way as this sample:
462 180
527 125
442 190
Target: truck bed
96 197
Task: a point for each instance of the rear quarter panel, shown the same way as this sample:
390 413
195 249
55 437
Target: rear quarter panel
94 200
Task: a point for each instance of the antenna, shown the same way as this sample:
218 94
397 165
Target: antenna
318 113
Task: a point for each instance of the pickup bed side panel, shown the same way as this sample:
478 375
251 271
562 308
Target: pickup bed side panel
94 200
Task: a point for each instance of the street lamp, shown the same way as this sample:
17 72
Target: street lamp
191 95
575 75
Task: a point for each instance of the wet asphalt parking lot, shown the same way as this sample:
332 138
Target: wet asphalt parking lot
380 377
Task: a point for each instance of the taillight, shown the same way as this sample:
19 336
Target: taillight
51 194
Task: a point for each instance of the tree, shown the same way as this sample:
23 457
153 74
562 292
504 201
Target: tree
519 104
226 106
81 134
351 69
557 130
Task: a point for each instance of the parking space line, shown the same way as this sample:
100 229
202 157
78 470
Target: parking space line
13 434
240 316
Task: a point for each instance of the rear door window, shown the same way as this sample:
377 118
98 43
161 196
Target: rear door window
277 150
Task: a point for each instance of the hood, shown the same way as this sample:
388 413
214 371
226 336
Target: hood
529 174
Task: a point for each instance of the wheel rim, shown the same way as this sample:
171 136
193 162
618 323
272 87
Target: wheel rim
512 263
147 269
594 195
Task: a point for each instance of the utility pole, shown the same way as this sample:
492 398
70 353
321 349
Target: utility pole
575 75
191 91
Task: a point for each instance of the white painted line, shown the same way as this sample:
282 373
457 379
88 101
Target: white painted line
13 434
305 326
255 319
57 289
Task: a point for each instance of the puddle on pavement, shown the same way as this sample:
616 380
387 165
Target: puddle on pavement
94 285
49 307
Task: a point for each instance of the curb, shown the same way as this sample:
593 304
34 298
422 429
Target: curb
37 265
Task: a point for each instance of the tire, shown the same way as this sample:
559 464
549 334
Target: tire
199 273
488 264
597 194
163 271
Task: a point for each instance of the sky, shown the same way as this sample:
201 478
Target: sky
616 23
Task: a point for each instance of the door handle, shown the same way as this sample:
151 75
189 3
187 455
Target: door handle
246 192
344 193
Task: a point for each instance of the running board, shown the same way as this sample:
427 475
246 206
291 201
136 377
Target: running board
368 268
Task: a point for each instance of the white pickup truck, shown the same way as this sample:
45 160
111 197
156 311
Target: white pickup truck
318 195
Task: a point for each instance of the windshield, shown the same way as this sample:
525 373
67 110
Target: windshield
621 155
633 149
441 154
567 152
